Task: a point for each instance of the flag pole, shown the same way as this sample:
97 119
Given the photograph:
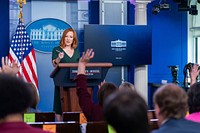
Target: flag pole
21 6
20 2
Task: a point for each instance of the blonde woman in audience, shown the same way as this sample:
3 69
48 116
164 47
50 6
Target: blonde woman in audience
127 86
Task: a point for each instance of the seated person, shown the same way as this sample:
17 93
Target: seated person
126 112
12 69
171 107
194 102
15 98
92 112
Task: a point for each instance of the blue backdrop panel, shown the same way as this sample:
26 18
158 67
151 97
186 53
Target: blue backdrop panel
4 28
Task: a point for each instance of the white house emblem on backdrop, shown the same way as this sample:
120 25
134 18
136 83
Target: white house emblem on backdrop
46 33
118 45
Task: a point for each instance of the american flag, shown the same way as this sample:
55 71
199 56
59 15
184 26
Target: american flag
21 50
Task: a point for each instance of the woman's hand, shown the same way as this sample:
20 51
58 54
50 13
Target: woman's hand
57 60
60 55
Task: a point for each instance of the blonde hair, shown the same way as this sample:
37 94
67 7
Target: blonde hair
127 86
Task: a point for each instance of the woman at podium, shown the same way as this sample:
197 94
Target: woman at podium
66 52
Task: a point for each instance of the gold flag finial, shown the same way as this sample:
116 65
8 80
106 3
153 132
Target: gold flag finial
21 6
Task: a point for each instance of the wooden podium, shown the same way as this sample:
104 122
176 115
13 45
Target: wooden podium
63 75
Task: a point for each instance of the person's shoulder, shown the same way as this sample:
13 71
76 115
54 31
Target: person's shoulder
57 47
165 127
155 131
178 122
190 122
180 125
76 50
163 130
194 126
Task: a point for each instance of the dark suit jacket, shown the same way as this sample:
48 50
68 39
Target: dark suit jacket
178 126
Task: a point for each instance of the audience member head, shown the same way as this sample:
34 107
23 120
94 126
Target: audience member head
35 94
15 95
194 98
127 86
170 102
126 112
75 39
105 90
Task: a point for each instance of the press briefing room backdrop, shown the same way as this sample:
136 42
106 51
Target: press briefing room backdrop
172 41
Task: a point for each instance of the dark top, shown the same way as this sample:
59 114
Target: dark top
19 127
179 126
66 59
93 112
